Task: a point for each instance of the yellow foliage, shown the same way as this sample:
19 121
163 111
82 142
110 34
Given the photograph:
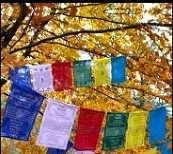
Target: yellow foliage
148 50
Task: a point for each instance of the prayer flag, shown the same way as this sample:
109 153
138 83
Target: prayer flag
62 75
163 148
118 65
42 79
101 71
135 138
82 73
59 151
89 126
55 151
157 125
84 152
20 112
20 75
137 120
115 130
56 125
136 131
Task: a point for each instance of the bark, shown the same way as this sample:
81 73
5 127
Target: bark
76 33
11 32
116 22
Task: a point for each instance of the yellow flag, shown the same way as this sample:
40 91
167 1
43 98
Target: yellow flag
137 120
135 139
101 71
136 130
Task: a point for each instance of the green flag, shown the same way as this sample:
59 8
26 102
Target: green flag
82 73
114 132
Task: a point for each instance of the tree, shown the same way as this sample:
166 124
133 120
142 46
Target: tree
44 32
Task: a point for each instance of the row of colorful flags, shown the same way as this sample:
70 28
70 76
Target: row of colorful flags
121 130
66 75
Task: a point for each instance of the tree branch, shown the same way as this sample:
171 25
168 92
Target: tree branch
132 26
83 49
90 4
94 18
150 34
3 81
28 49
11 32
24 31
142 90
116 22
76 33
113 98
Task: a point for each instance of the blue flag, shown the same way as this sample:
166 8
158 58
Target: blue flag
21 75
118 65
164 149
20 112
157 125
59 151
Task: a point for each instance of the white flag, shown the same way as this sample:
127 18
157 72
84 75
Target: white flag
56 125
41 77
84 152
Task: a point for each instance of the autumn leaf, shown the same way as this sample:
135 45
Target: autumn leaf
73 11
62 31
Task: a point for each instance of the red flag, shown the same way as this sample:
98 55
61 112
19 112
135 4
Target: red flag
62 75
89 126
